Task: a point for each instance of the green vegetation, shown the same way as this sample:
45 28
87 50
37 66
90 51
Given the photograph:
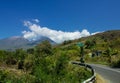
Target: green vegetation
106 50
102 48
43 64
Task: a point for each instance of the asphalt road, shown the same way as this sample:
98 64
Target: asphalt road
109 74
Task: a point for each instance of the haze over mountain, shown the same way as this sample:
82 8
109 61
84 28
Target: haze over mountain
16 42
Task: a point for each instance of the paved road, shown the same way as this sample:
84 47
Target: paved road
110 74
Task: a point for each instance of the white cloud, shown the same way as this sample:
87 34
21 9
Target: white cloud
35 31
36 20
95 33
29 35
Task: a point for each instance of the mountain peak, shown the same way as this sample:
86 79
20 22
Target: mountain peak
16 42
14 37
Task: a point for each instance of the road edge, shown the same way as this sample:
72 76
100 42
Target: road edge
100 79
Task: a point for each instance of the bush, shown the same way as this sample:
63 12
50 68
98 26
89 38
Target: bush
7 77
57 69
11 61
21 64
44 48
28 62
115 62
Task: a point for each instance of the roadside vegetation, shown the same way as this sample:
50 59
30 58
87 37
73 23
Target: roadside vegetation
42 64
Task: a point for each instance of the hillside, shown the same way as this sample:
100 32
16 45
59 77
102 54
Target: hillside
103 48
106 39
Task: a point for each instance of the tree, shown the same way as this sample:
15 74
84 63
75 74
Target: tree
67 42
30 51
29 62
108 52
2 55
20 54
44 48
89 44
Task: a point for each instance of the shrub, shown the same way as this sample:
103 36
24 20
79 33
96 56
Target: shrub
11 61
21 64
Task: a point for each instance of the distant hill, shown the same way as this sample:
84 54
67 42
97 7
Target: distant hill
103 40
20 42
106 39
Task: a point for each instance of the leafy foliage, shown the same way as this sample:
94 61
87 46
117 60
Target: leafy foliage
42 64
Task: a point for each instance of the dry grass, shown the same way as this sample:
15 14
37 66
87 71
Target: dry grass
99 79
12 70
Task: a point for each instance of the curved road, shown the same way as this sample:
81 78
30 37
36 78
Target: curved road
109 74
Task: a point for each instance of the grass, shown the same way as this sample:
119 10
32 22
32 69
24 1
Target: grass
100 79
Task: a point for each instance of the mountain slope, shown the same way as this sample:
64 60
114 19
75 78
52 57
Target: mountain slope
105 39
20 42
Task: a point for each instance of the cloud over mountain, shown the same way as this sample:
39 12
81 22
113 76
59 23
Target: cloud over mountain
35 31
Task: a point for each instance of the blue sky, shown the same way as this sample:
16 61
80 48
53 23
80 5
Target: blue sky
64 15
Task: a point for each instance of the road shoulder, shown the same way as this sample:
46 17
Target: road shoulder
100 79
